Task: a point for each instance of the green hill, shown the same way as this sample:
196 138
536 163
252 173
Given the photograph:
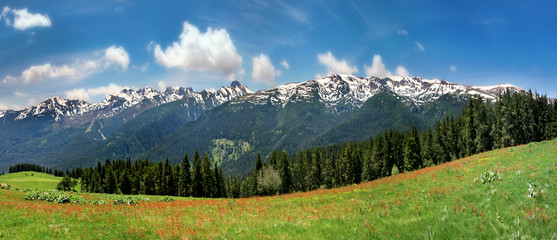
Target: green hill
502 194
32 180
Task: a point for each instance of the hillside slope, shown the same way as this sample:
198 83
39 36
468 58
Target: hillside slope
448 201
30 179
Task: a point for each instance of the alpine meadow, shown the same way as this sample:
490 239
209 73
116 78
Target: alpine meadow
134 120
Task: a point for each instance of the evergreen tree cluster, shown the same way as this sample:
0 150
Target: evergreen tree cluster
203 179
22 167
514 119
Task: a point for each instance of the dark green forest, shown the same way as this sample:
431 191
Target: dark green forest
513 119
36 168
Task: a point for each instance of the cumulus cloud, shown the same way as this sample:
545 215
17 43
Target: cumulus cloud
285 64
420 46
209 51
377 68
111 89
38 72
77 94
85 94
263 70
452 68
162 86
114 56
334 65
118 56
401 71
23 19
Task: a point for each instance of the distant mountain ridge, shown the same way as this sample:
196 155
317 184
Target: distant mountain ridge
59 108
355 90
231 123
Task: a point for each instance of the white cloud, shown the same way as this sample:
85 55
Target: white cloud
209 51
377 68
420 46
80 69
402 32
162 86
111 89
285 64
334 65
77 94
20 94
86 94
4 15
118 56
263 70
24 19
38 72
401 71
32 101
452 68
9 79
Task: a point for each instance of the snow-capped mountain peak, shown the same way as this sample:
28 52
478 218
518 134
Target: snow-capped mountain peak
353 90
59 108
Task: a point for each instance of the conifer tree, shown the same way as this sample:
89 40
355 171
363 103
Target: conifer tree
284 171
218 182
125 182
258 162
197 181
208 177
412 158
185 177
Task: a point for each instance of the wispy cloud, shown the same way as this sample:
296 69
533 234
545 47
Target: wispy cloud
20 94
114 56
402 32
452 68
9 79
285 64
420 46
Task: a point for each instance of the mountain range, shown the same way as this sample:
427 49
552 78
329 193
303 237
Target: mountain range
231 124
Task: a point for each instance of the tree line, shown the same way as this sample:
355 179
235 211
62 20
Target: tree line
199 179
513 119
22 167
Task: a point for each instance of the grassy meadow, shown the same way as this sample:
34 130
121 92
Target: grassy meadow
503 194
31 180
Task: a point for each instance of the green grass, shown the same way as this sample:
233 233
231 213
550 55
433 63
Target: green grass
32 180
442 202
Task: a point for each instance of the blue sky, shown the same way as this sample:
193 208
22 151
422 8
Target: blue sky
87 49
